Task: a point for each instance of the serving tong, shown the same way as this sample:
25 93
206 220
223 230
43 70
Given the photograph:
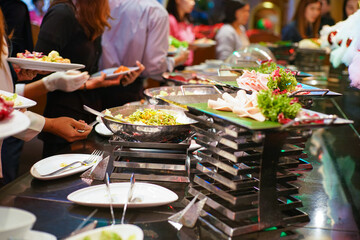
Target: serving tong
100 114
129 197
107 181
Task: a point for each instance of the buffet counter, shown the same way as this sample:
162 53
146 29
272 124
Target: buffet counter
330 192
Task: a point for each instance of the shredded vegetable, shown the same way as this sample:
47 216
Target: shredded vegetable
148 116
152 117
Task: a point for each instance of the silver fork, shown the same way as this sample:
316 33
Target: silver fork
94 155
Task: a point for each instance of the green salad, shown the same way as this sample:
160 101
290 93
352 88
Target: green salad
266 68
282 79
107 235
277 107
150 116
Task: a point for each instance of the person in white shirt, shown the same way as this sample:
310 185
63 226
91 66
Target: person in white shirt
139 32
232 35
66 81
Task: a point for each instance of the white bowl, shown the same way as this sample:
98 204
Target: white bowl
15 223
123 230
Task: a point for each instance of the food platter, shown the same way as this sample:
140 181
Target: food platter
251 124
144 195
154 95
20 101
204 43
15 123
44 66
314 91
185 78
110 72
150 133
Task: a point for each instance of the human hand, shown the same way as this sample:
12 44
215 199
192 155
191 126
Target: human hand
181 57
25 74
67 128
98 82
131 76
66 81
192 47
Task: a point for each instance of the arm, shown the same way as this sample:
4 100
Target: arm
67 128
65 81
35 89
155 52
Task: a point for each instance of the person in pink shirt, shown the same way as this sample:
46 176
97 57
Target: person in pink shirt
180 25
37 14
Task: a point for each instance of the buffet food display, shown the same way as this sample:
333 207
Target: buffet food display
53 56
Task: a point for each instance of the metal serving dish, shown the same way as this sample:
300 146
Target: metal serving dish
147 133
153 95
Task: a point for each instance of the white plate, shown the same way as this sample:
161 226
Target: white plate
101 129
31 235
15 123
171 52
123 230
20 102
145 195
44 66
53 163
110 72
204 45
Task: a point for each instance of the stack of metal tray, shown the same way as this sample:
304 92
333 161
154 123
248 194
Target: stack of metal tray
244 169
150 161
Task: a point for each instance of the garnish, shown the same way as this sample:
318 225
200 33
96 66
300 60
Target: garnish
5 108
282 79
121 69
12 98
148 116
53 56
277 107
266 67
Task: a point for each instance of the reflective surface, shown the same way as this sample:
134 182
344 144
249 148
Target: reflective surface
330 191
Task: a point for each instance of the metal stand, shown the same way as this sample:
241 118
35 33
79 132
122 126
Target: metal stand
150 161
245 176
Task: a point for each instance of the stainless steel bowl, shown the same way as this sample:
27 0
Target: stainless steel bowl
153 94
147 133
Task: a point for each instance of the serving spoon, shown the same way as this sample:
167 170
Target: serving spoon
100 114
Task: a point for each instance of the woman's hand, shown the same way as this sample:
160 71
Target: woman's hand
131 76
27 74
67 128
192 47
99 82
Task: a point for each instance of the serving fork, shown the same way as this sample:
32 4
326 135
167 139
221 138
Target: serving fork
94 155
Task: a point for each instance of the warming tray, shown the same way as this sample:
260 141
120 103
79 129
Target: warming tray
202 108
